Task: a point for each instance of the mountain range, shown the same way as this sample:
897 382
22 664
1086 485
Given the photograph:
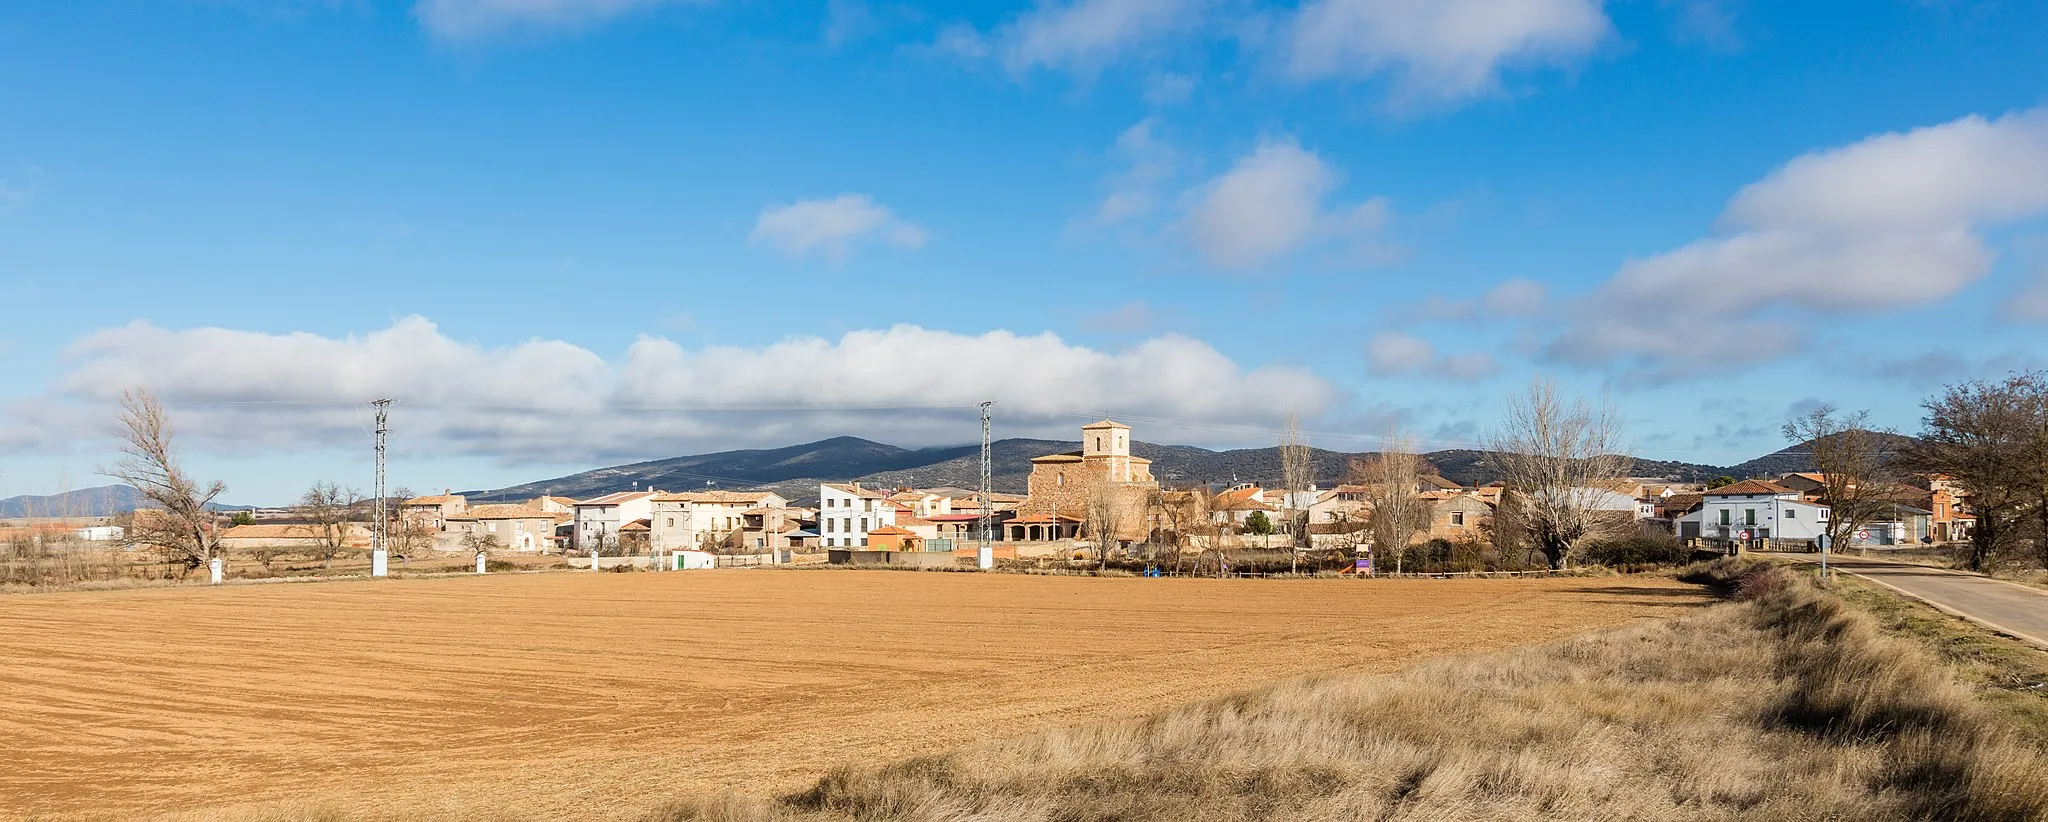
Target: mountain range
795 471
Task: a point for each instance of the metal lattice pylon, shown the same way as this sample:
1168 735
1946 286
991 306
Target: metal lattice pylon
378 529
985 557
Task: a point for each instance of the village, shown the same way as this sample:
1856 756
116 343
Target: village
1097 503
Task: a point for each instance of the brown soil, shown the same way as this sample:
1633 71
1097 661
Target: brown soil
579 695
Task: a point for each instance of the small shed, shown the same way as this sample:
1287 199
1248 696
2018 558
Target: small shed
693 560
892 538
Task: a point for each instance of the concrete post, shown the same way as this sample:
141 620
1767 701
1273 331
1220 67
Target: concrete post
479 562
380 562
984 557
593 560
214 568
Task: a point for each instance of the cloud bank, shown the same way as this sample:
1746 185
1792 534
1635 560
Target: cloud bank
1890 222
551 400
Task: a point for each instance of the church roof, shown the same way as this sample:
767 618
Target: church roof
1104 424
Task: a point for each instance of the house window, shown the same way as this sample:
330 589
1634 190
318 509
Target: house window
1724 516
671 522
1749 516
1791 513
1458 519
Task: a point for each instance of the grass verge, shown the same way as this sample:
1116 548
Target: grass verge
2010 675
1787 704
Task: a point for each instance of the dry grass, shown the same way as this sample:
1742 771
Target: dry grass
1788 705
2010 675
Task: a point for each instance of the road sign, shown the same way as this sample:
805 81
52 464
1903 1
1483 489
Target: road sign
1863 534
1745 535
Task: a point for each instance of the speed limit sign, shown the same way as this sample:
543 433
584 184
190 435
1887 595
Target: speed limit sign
1863 534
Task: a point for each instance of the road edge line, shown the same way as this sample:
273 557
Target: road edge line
2030 639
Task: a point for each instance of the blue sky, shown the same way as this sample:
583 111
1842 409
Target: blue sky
566 233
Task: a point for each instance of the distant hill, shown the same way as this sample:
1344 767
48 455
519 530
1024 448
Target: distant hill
1794 459
103 501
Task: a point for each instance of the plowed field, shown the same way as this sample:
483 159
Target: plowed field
578 695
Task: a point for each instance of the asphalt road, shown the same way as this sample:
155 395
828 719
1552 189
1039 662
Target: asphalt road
2009 607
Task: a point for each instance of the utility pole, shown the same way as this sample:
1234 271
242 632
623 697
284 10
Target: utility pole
379 556
985 558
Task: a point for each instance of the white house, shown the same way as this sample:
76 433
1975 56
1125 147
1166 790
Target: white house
693 519
1754 511
924 504
100 533
847 512
600 519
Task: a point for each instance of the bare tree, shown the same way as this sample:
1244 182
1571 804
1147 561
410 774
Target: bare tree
1854 464
1397 510
1104 519
1983 436
184 528
1551 454
329 510
406 531
1178 519
1297 473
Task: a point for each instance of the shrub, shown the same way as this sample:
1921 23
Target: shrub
1639 550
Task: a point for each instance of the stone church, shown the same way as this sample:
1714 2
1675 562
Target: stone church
1061 486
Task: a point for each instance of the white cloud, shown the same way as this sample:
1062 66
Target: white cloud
1395 352
1509 298
1134 192
552 400
848 20
1167 88
1890 222
1270 203
832 227
1398 353
1084 35
474 19
1442 49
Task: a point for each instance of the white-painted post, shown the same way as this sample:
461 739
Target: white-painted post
985 557
214 568
593 560
479 562
380 562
